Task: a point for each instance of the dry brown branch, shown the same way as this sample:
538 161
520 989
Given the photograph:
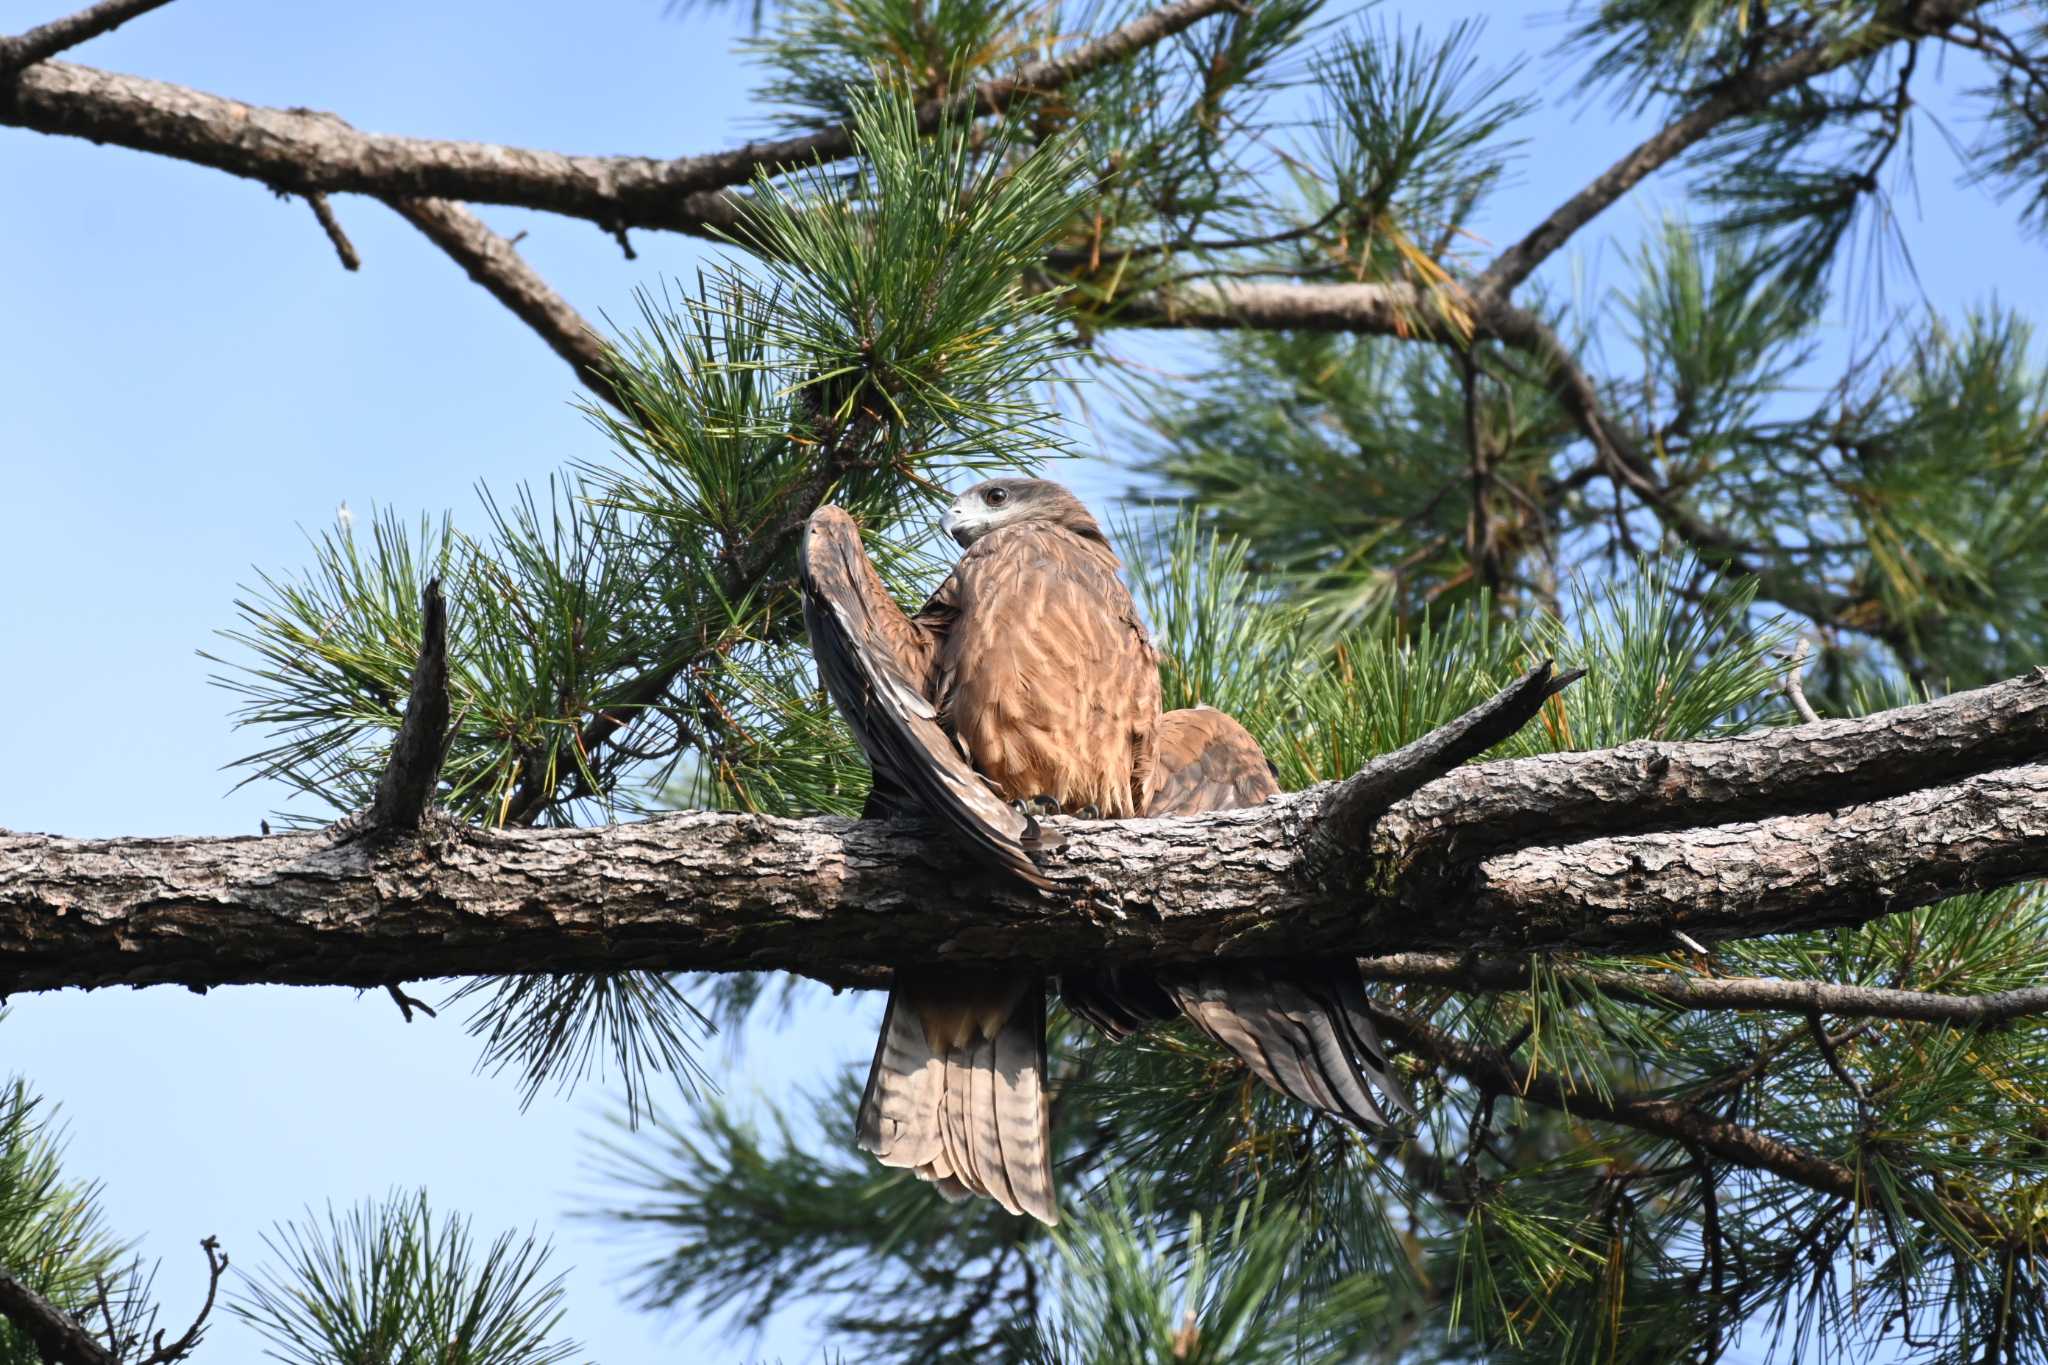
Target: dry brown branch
47 40
492 262
305 150
323 213
1678 990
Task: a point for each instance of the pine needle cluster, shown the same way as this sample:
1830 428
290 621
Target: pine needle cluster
1350 534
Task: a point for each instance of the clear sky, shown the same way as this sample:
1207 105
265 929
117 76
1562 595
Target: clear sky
189 381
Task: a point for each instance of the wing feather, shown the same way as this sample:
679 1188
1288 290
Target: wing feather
875 661
1303 1029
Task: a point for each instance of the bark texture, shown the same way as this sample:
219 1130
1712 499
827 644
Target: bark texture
303 150
1846 821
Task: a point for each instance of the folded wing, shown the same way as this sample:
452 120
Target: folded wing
874 661
1303 1030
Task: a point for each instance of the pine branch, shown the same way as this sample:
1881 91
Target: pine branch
1454 316
47 40
1734 1143
1679 991
57 1337
1400 310
494 263
1651 784
1743 93
845 901
301 151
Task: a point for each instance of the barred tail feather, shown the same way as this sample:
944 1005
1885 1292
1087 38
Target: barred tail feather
1022 1122
957 1095
900 1109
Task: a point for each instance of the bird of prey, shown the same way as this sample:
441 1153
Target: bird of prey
1303 1029
1026 686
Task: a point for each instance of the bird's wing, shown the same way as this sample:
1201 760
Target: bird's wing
875 662
1207 761
1303 1029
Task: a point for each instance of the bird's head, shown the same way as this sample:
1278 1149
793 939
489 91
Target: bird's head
1011 502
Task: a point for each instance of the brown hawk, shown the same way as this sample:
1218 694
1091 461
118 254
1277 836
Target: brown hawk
1028 686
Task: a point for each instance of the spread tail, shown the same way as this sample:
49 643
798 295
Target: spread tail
957 1090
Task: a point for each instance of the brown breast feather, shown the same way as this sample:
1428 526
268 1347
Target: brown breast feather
877 664
1046 675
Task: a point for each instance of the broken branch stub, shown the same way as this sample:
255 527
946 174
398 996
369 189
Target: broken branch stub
413 770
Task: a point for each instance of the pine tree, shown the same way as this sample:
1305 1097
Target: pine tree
1397 482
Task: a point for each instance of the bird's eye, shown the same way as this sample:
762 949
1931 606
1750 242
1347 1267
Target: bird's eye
995 497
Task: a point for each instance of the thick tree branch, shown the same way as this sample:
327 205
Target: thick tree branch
494 263
303 150
59 35
846 901
1678 991
1649 785
58 1339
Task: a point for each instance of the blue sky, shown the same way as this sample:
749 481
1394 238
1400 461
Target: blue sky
189 382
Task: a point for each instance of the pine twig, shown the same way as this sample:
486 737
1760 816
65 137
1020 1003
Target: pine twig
47 40
216 1266
1674 990
1794 692
413 770
331 225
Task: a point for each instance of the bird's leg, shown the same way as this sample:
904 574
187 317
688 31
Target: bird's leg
1036 805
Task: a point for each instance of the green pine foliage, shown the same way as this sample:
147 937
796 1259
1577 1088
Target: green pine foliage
1345 539
54 1239
393 1283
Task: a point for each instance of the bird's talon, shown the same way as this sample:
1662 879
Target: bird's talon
1088 812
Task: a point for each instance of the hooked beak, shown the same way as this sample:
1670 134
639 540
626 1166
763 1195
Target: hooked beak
957 525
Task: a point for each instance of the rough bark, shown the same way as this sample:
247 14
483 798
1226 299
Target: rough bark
1468 863
1649 785
303 150
58 1339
